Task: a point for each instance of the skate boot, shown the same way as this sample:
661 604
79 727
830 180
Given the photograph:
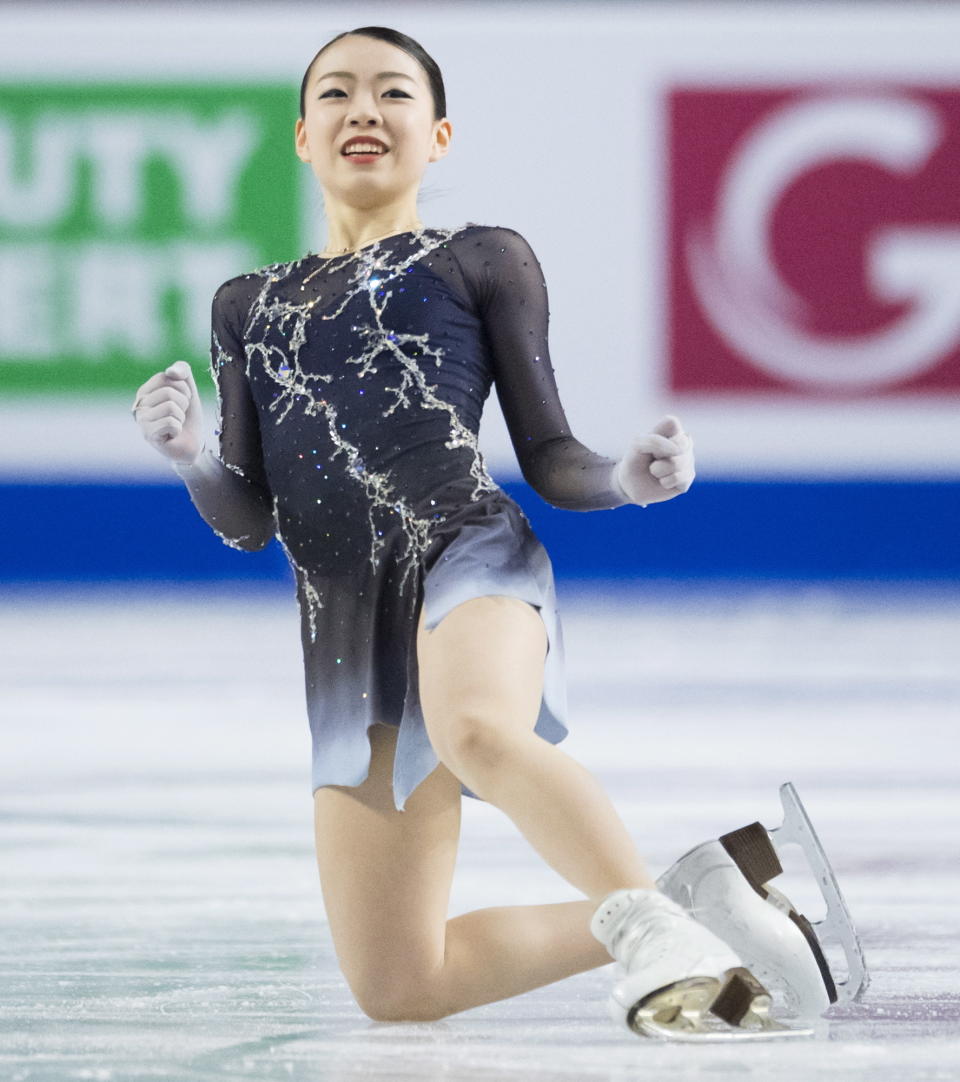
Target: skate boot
725 885
678 980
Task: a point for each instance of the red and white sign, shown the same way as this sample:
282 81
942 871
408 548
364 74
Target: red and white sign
814 240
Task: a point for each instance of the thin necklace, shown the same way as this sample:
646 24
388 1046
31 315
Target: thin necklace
372 240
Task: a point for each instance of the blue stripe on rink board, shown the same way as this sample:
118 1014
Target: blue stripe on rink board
720 529
767 529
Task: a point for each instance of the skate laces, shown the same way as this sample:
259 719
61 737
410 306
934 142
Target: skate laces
648 927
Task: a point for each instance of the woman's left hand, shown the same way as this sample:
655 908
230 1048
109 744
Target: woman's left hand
657 466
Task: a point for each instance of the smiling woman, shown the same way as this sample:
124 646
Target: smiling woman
350 386
349 93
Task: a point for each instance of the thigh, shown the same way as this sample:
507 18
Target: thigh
481 671
385 876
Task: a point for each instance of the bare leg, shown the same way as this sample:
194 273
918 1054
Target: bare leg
403 959
496 953
481 679
562 811
480 686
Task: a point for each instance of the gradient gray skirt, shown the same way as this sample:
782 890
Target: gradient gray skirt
360 659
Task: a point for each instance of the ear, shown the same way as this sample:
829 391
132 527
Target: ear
441 140
300 140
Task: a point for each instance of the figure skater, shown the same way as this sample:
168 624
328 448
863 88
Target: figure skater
350 385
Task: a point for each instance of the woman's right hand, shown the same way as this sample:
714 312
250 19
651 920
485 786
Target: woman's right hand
167 409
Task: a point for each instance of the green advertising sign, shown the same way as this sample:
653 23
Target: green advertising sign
122 208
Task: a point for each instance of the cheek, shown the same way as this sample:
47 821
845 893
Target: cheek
415 146
317 134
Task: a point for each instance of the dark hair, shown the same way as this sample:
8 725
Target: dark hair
413 48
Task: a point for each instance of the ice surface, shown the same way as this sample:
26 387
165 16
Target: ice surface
160 911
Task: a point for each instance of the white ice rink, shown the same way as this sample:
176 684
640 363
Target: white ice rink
160 911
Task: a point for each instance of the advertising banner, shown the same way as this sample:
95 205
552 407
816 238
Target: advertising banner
122 208
814 240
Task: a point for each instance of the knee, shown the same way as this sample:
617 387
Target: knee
471 736
411 1004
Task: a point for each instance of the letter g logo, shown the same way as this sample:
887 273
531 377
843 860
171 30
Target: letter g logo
729 254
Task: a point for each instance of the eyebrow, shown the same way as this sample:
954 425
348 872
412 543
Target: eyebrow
350 75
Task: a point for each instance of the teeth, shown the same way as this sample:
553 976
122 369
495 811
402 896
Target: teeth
364 148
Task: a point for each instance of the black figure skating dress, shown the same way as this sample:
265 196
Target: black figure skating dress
350 391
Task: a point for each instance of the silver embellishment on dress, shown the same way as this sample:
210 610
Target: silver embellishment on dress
372 272
218 358
310 593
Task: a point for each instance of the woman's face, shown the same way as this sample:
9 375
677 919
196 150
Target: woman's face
396 110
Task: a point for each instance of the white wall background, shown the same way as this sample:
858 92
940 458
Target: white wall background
557 133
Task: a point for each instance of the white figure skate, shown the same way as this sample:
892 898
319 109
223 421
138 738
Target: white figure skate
678 980
725 885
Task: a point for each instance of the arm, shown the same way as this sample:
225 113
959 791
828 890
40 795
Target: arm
561 469
231 490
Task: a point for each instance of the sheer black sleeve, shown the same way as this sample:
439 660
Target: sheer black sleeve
513 299
231 490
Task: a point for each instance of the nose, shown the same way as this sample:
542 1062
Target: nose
364 111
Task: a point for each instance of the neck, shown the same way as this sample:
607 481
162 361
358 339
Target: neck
345 238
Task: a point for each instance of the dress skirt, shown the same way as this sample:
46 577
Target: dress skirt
359 647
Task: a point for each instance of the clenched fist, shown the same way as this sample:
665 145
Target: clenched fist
167 409
657 466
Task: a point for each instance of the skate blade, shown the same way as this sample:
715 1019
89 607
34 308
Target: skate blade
681 1012
753 850
838 924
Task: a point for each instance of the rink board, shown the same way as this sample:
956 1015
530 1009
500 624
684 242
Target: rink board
770 255
729 529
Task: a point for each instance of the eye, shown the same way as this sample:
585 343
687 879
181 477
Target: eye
334 90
